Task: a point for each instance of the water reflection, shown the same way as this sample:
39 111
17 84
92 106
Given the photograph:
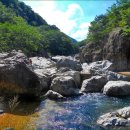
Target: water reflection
78 113
75 113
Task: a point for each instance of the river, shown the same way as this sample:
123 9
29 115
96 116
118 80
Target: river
75 113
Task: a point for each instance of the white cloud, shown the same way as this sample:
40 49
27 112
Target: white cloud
82 31
68 20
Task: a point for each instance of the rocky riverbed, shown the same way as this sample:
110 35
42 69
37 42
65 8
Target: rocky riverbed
59 78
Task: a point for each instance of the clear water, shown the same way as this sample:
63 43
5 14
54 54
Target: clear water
78 113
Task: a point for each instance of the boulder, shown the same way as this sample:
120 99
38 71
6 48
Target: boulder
117 88
99 65
94 84
69 63
112 76
17 76
74 74
65 85
120 117
45 80
42 63
44 68
53 95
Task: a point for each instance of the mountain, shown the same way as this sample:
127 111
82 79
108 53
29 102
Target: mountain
22 28
109 37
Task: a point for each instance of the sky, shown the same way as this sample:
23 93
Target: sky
73 17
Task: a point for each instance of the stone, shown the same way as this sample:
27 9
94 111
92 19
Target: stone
69 63
45 80
118 118
117 88
53 95
74 74
65 85
42 63
94 84
17 76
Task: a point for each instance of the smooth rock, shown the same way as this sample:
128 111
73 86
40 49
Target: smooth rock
69 63
45 80
74 74
94 84
117 88
65 85
17 76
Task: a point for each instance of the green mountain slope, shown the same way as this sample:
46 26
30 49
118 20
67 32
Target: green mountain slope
117 16
21 28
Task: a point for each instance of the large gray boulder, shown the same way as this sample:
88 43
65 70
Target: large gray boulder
45 80
45 70
74 74
117 88
69 63
65 85
120 117
17 76
94 84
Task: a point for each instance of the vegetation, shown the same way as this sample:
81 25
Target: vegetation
21 28
117 16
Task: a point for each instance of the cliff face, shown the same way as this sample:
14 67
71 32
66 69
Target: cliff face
115 47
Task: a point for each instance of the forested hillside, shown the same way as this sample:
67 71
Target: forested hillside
21 28
117 16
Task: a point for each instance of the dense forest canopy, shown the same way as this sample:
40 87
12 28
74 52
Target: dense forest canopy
117 16
21 28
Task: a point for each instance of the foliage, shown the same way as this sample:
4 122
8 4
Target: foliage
18 33
118 15
25 12
57 42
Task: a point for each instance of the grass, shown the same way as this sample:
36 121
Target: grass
13 103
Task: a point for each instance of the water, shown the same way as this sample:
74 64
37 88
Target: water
75 113
78 113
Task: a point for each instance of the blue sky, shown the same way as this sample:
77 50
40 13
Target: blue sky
72 17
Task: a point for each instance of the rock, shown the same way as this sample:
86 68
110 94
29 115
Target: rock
53 95
1 111
117 118
104 65
65 85
44 66
45 80
117 88
74 74
94 84
85 75
42 63
112 76
69 63
17 76
114 47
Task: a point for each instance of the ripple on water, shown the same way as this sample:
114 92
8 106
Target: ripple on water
78 113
